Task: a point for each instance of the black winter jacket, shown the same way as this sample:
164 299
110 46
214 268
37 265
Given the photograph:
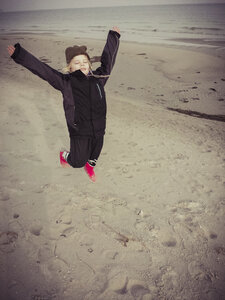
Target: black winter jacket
83 96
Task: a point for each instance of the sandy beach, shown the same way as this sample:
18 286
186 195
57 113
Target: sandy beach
152 226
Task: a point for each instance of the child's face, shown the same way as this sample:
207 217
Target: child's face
79 62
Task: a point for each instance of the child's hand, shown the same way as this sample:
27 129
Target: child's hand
116 29
11 50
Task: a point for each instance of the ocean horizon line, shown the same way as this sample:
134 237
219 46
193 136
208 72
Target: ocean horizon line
114 6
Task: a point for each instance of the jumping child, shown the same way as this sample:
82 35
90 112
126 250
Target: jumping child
83 97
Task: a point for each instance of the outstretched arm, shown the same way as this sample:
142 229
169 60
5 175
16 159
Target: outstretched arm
26 59
109 54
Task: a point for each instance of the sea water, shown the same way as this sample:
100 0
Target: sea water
170 24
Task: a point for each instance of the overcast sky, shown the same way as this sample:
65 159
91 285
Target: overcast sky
12 5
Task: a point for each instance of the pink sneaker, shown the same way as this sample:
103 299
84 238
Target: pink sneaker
90 171
63 155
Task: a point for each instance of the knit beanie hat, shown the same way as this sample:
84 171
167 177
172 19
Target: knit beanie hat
70 52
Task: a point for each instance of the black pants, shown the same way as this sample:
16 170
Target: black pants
84 149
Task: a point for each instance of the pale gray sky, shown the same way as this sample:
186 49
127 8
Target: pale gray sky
12 5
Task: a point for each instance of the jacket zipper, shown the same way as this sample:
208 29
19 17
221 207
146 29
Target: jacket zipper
99 90
74 123
91 109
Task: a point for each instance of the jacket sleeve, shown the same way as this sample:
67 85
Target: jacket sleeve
44 71
108 57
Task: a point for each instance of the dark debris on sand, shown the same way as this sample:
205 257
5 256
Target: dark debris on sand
196 114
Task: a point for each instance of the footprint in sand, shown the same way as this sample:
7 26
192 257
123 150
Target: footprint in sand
86 240
53 268
137 288
187 210
119 284
110 254
4 196
36 229
186 215
169 242
167 277
93 221
184 100
122 285
65 218
199 272
68 231
8 241
115 201
213 236
166 238
44 254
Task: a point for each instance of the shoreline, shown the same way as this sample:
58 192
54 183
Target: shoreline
195 44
